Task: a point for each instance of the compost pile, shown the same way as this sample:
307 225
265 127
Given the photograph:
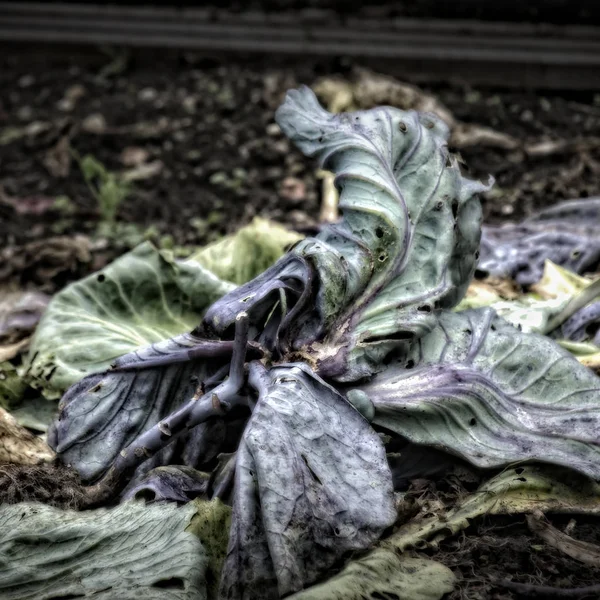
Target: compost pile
281 437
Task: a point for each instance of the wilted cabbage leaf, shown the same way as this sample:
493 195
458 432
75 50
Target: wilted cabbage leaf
407 244
167 484
105 412
566 234
312 483
519 490
141 298
535 311
246 254
370 294
211 525
12 385
128 552
480 389
385 574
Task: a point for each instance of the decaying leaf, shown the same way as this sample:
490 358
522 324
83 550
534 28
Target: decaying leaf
46 261
241 257
557 281
369 89
407 244
211 525
141 298
312 483
566 234
104 412
128 552
17 445
516 490
12 386
480 389
385 574
587 354
167 484
19 315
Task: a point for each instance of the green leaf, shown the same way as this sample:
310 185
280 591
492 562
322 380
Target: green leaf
35 413
128 552
246 254
478 388
410 232
143 297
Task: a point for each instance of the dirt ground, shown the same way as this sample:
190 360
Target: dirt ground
197 139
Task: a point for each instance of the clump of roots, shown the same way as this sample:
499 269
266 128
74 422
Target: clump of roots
51 484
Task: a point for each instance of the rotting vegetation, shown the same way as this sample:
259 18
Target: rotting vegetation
303 379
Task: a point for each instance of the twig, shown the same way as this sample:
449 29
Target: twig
585 552
199 409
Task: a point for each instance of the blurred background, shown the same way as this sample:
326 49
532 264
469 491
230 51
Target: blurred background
127 121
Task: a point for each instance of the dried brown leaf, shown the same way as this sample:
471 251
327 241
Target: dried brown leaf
18 445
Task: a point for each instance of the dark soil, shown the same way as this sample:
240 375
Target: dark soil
221 159
502 548
207 128
221 162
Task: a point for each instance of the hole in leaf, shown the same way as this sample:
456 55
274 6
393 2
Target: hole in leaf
378 596
468 331
313 475
101 277
575 254
519 470
400 336
402 127
146 494
173 583
50 373
382 257
477 255
379 232
439 205
454 206
473 422
409 364
493 327
424 308
522 479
